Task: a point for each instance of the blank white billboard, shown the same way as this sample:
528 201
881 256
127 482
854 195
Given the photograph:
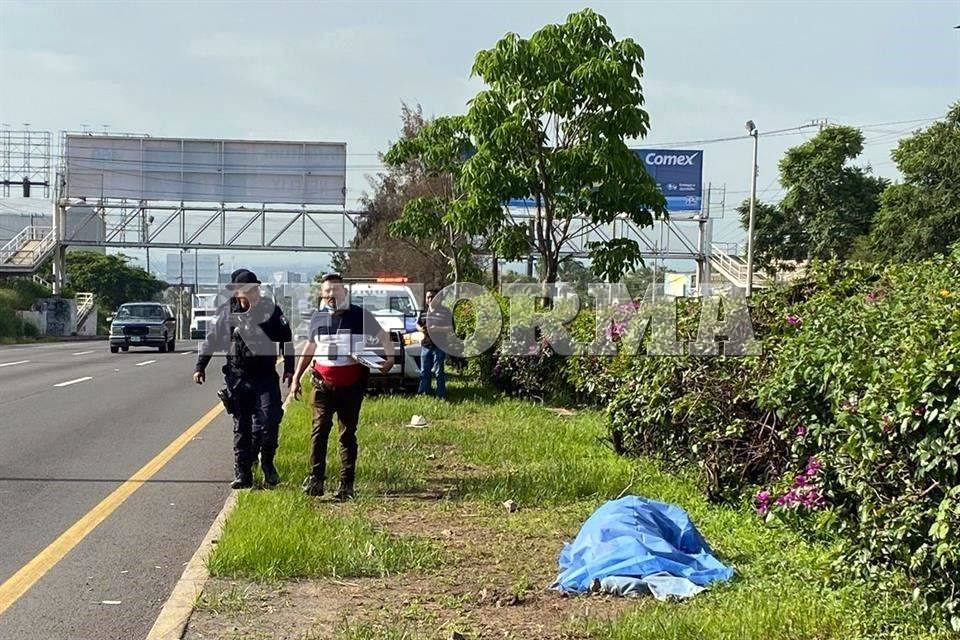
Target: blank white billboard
199 170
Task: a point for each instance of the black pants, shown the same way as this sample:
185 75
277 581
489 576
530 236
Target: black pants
256 421
345 403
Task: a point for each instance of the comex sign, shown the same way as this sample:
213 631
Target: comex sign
678 173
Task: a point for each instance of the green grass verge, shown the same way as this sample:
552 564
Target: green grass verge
558 469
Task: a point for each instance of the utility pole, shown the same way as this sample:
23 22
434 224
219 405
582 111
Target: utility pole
752 130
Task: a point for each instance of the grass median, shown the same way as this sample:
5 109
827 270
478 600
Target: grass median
428 513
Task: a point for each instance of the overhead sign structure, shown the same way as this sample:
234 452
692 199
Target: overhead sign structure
678 173
204 170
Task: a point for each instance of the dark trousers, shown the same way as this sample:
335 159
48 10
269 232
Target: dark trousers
256 421
345 403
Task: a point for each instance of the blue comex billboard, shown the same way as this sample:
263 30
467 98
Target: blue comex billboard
678 173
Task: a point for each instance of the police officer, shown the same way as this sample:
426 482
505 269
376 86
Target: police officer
249 328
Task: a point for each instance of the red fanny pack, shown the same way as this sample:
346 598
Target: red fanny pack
342 376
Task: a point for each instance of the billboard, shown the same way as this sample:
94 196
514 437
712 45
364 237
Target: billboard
205 170
678 173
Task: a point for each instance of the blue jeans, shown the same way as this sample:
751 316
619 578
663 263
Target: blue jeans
431 364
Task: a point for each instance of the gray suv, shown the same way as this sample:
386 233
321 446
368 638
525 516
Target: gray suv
143 324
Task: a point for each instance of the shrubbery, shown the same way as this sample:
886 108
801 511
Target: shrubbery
18 294
849 423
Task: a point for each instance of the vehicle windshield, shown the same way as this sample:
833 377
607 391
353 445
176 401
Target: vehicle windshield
141 311
383 302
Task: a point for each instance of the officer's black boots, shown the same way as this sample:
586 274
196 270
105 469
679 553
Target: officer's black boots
313 486
243 479
270 475
345 492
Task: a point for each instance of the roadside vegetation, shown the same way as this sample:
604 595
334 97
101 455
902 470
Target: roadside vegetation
429 549
18 294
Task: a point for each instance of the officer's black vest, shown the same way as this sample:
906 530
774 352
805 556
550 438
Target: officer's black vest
242 361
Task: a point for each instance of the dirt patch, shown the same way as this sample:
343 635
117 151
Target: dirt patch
493 584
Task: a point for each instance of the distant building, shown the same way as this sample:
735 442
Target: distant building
198 268
288 277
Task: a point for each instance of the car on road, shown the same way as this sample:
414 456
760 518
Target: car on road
143 324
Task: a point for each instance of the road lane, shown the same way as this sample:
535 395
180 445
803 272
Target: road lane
63 450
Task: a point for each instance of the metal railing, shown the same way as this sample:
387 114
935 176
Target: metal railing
734 269
27 249
84 306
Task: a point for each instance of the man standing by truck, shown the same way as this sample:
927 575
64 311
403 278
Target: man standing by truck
339 380
436 323
252 331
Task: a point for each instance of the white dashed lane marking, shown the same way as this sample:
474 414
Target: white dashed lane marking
145 362
10 364
82 353
75 381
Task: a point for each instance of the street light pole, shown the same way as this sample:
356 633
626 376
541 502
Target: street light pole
752 130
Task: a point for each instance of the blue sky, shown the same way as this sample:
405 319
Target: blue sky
339 71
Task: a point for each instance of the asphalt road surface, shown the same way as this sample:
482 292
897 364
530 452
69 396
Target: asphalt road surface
75 423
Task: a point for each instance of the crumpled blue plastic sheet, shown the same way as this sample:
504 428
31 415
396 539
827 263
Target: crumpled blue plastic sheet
633 546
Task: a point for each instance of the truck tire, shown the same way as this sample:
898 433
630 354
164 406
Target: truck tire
114 349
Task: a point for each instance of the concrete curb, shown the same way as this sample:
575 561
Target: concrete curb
176 611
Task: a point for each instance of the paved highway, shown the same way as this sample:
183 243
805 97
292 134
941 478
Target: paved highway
76 422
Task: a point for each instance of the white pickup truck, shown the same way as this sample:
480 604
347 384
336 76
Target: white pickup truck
395 307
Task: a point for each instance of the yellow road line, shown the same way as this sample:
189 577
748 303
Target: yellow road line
20 582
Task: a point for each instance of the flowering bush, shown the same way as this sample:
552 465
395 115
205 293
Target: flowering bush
849 421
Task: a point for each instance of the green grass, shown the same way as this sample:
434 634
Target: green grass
559 470
282 534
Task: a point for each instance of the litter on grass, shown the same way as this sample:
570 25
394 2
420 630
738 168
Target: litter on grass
636 546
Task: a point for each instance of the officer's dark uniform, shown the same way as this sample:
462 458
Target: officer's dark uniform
252 340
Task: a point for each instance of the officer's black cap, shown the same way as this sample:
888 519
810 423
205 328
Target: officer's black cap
242 278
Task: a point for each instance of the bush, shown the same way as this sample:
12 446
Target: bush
869 384
848 423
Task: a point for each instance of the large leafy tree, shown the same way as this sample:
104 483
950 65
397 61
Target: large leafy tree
374 250
920 217
111 278
434 158
551 127
831 201
778 238
829 204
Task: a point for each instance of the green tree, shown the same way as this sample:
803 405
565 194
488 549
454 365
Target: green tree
920 217
434 158
551 127
777 236
374 250
111 278
828 202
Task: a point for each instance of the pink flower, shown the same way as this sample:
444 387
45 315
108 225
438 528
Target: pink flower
802 431
793 320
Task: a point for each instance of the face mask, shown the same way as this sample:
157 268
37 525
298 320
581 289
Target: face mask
325 306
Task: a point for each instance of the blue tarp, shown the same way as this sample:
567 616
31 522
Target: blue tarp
635 545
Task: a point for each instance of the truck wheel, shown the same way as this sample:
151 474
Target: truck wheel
114 349
124 349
